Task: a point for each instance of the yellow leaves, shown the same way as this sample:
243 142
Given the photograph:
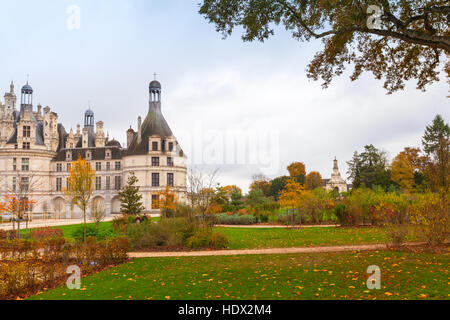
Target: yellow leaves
423 296
351 287
388 294
402 172
80 183
167 297
297 169
167 199
290 196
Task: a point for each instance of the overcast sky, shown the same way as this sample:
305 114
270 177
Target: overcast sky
245 108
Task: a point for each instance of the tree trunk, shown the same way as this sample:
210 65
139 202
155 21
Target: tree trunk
84 231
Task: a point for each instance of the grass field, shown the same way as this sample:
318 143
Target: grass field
257 238
69 229
243 238
404 275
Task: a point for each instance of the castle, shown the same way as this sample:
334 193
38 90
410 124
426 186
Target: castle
36 153
336 182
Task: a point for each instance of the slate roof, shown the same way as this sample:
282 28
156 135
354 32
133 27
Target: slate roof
154 125
114 143
91 140
97 154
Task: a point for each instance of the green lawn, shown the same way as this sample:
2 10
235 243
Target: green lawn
67 230
243 238
252 238
306 276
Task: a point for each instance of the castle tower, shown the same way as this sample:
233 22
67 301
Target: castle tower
89 119
154 154
26 98
155 91
336 182
10 100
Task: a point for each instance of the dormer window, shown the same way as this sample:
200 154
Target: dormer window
108 154
68 156
26 131
88 155
170 146
154 146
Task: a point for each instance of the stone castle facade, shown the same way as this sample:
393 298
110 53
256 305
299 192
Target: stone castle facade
336 182
36 152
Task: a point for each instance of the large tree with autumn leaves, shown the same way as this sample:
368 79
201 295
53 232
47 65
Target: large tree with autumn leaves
394 40
80 186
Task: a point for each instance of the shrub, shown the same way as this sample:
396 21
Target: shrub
236 219
28 266
430 214
393 210
3 235
340 211
170 232
183 211
206 238
120 223
287 217
46 233
92 232
263 217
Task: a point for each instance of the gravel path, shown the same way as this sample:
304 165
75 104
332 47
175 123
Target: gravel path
367 247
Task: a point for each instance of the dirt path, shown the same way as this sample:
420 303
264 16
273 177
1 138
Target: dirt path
367 247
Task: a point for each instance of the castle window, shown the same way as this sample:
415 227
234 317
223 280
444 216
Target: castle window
26 146
170 162
16 146
155 202
118 166
24 184
98 183
67 184
68 167
14 183
58 184
118 183
155 162
155 179
26 131
14 164
108 183
59 167
170 179
108 166
155 146
170 146
98 166
25 164
88 155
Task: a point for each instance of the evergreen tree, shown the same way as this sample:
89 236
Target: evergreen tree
369 168
436 142
130 198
